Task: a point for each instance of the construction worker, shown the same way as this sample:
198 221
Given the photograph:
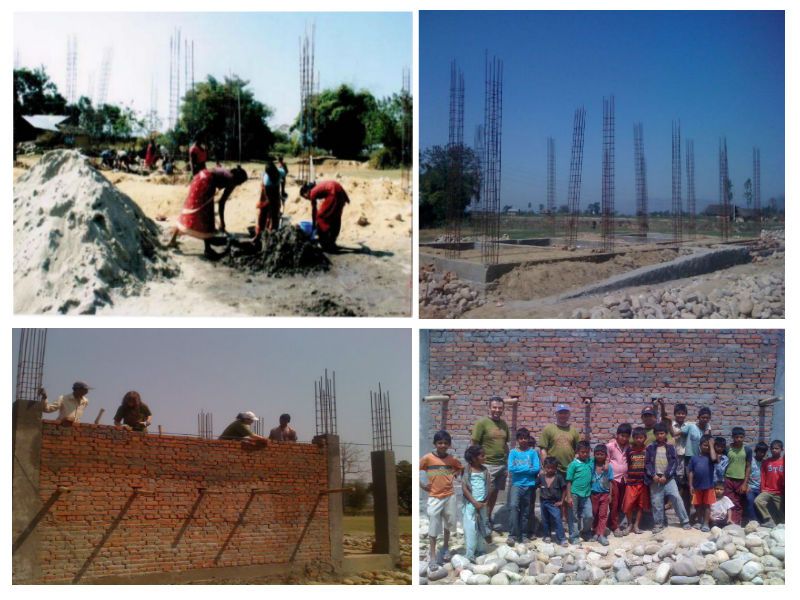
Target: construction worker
197 217
269 206
283 171
133 413
198 154
240 430
327 219
283 433
70 407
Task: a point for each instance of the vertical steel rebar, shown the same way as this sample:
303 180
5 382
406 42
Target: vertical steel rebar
551 185
607 196
30 363
575 173
724 191
640 165
455 163
493 130
677 204
691 201
757 184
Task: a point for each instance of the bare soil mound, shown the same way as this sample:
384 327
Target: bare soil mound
77 238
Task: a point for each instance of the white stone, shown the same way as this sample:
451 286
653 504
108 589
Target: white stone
479 580
485 569
662 573
499 579
750 570
707 547
558 579
465 575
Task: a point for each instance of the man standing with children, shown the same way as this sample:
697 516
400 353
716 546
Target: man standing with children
602 489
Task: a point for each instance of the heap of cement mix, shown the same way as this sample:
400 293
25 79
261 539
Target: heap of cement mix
288 251
77 239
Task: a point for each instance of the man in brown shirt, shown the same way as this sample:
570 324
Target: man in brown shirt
283 433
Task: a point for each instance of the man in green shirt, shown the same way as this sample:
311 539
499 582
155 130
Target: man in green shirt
560 439
491 433
240 430
649 420
737 474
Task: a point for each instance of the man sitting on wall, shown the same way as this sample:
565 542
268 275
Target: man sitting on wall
283 432
240 430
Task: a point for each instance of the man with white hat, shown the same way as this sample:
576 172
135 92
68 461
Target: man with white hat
70 407
240 429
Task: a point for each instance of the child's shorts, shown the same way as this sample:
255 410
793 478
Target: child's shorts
441 515
637 495
703 497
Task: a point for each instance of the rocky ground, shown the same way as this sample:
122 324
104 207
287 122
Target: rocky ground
733 555
444 295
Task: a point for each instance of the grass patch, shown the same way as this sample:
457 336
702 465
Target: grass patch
365 525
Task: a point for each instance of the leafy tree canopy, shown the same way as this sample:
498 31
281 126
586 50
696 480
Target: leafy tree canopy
435 165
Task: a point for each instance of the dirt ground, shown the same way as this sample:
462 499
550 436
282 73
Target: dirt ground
373 278
549 309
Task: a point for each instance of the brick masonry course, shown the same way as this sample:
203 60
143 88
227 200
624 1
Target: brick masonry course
727 371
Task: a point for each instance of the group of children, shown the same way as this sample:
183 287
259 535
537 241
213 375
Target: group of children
624 479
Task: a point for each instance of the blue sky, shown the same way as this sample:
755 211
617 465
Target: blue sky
719 73
365 50
180 372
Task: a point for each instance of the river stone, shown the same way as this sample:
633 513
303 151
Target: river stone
721 577
528 580
751 527
552 569
683 580
686 543
557 560
624 575
423 581
479 579
481 559
666 550
771 562
459 562
644 580
438 574
732 567
684 568
712 562
499 579
639 550
730 548
722 556
485 569
734 530
596 575
779 535
778 551
759 551
558 579
593 557
757 580
547 549
620 564
647 559
652 548
750 570
602 550
752 540
423 568
465 575
544 578
707 547
715 532
520 549
524 560
510 567
569 568
707 580
663 572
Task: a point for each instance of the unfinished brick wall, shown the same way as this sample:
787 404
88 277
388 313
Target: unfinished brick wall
105 528
727 371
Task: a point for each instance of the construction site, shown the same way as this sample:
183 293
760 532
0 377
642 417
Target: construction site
91 233
579 259
100 503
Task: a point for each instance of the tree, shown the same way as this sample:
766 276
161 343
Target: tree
435 164
356 499
34 94
340 120
387 124
404 487
352 460
221 110
748 192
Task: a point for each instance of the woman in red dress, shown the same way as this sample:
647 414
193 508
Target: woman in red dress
327 218
197 217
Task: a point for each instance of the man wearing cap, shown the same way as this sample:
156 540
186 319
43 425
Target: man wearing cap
649 420
560 439
70 407
283 432
491 433
240 429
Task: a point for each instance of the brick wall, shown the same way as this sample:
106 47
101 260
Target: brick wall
103 528
727 371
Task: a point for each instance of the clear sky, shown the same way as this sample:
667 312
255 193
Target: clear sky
180 372
719 73
365 50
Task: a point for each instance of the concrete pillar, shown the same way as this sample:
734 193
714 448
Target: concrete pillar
27 447
384 495
335 505
425 419
779 409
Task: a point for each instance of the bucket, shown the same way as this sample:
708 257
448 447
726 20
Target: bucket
306 227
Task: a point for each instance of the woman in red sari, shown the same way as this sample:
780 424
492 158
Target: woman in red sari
150 155
197 217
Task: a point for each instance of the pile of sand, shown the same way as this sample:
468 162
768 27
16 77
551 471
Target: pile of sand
287 251
77 239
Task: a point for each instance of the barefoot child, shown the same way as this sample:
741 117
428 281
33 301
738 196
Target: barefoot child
602 476
701 483
637 495
441 469
476 486
617 448
661 463
721 510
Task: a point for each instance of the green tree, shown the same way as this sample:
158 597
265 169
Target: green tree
34 94
356 499
388 127
340 121
435 165
221 110
404 487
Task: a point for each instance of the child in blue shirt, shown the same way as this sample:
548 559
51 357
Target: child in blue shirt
524 466
721 450
602 476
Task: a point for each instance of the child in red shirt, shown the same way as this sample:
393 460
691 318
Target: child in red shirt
769 502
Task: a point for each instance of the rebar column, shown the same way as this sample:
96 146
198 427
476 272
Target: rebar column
724 191
677 206
493 129
551 185
575 172
306 106
325 404
607 197
478 208
757 184
30 363
640 165
691 201
455 158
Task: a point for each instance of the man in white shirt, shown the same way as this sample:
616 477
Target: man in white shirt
70 407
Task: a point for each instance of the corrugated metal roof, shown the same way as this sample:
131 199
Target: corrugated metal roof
46 122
